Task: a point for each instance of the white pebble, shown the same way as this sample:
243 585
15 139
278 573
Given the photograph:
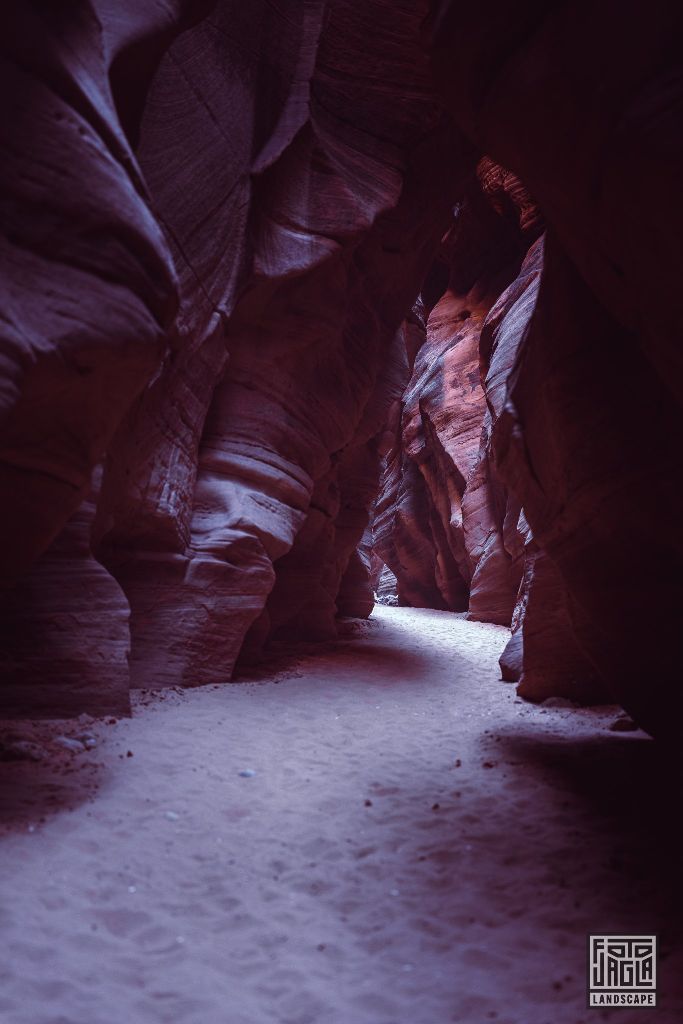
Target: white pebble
69 744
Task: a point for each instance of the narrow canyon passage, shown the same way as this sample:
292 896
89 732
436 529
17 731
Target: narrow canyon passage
341 387
377 831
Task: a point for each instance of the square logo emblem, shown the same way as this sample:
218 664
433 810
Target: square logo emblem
622 970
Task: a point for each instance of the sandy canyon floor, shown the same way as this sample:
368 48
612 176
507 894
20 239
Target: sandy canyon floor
376 832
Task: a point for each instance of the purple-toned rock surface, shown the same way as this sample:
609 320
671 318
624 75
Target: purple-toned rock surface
440 522
88 282
593 414
272 210
342 229
541 621
253 260
64 635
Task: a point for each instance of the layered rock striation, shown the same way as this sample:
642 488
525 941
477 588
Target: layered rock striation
253 217
253 260
591 120
442 522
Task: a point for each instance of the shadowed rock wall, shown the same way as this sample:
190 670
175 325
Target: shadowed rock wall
585 104
329 225
253 259
89 296
255 216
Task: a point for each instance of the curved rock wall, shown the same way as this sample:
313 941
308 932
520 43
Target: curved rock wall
593 411
337 225
253 260
541 620
89 296
78 238
258 213
442 522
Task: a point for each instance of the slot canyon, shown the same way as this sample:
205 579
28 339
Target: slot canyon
342 572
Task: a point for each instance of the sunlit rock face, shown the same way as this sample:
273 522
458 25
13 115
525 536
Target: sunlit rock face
401 534
442 522
597 388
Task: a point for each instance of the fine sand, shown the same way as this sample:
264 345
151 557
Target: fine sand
416 846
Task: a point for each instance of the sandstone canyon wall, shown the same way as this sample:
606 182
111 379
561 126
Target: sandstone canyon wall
442 507
446 522
257 257
293 172
584 103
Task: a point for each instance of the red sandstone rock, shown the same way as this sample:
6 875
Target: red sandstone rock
456 501
402 536
490 511
597 388
541 622
291 195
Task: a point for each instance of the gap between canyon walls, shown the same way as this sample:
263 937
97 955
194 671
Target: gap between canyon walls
191 473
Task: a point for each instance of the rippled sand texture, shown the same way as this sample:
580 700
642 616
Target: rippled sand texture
408 844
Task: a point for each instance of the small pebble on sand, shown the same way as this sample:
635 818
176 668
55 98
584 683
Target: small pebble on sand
68 743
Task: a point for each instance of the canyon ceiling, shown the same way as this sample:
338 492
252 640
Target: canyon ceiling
293 292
